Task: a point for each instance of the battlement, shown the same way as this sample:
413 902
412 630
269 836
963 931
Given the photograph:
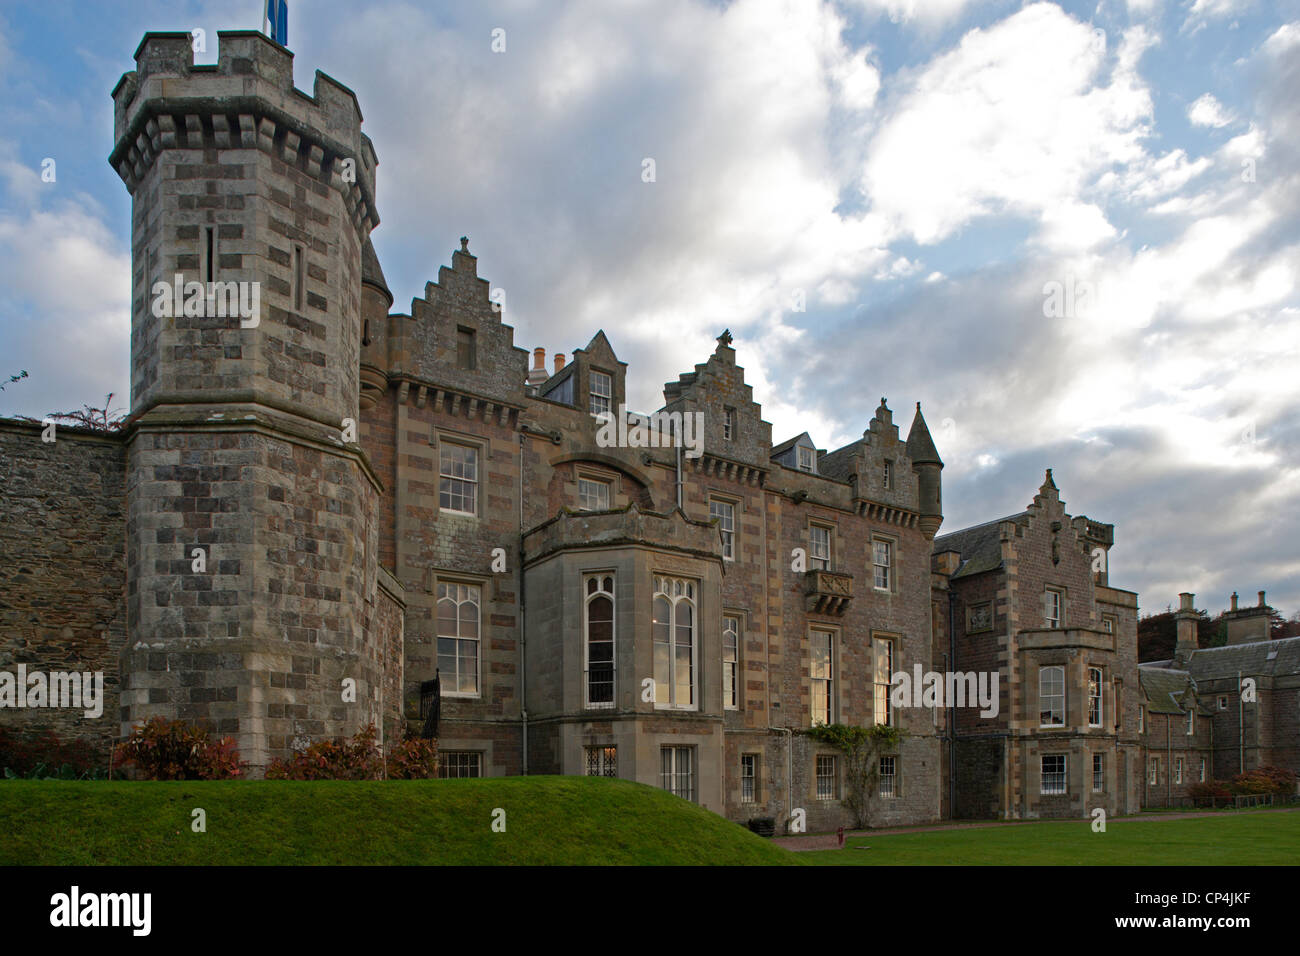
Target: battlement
246 100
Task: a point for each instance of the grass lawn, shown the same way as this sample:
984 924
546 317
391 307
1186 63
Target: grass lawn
549 820
1242 838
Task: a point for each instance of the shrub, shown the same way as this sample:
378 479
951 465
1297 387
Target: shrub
413 759
1263 780
174 750
358 759
1204 794
39 754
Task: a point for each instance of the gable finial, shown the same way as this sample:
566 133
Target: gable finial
725 337
464 243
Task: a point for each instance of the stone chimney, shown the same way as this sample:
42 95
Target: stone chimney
1246 625
538 374
559 361
1186 617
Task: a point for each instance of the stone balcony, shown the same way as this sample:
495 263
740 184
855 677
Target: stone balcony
827 592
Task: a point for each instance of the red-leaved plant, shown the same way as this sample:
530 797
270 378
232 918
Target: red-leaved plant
174 750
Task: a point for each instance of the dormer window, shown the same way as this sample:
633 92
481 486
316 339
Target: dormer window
600 391
805 459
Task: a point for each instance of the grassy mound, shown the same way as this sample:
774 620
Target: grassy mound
548 820
1244 838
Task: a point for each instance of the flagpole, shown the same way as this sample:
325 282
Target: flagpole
264 12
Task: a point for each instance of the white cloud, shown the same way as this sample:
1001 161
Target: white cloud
1014 119
1207 111
928 12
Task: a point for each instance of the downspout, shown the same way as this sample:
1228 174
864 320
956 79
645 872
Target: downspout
1169 760
952 711
1241 728
679 473
523 639
789 769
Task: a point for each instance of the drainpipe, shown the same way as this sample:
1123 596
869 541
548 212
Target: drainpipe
1169 758
523 640
789 768
952 711
1241 729
679 473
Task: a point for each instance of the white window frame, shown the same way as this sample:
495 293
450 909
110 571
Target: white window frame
888 780
1202 770
446 475
677 766
1098 773
832 778
677 592
726 514
1178 770
1153 771
1055 623
1223 702
821 678
887 566
728 424
816 560
472 594
1096 698
601 578
1044 695
889 475
596 397
731 662
802 453
585 493
749 781
1191 721
1043 774
883 650
1142 719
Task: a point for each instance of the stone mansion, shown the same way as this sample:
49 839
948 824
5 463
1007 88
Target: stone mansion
384 497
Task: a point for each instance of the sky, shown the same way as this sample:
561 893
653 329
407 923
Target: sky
1070 230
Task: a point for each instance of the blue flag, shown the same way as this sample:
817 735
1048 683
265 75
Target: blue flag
277 16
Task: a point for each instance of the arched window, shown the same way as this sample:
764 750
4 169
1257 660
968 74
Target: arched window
599 614
1051 696
674 642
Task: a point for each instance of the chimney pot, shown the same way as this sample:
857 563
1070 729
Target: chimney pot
539 358
1261 598
1234 600
1186 601
559 361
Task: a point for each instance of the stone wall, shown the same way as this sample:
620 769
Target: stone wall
63 567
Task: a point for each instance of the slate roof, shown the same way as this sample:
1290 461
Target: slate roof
920 446
1212 663
787 444
838 464
980 547
1165 688
370 271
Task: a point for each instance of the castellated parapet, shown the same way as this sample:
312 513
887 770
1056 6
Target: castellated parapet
237 443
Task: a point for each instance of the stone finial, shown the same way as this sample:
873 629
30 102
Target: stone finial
464 243
725 338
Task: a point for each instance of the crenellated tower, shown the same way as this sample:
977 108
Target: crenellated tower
251 543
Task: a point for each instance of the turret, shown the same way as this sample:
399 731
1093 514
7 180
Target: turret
928 467
251 530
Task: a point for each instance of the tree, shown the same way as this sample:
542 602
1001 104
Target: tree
96 419
14 378
861 747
